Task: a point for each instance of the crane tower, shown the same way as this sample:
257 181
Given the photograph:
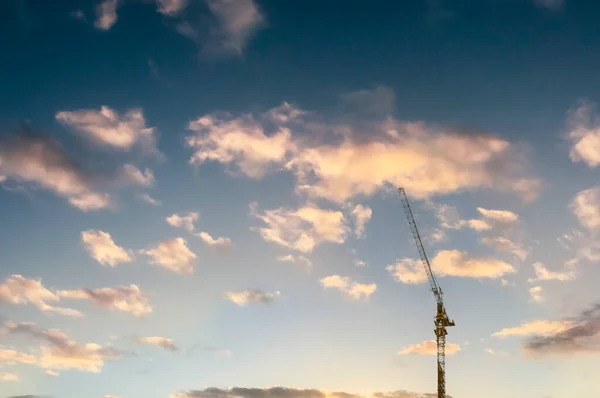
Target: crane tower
441 318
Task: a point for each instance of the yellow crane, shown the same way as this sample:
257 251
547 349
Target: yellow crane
441 318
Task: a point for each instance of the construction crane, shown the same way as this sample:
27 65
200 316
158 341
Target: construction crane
441 318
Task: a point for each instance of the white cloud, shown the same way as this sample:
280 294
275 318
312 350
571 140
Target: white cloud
238 21
42 160
171 7
106 14
288 392
128 299
52 373
584 134
536 327
490 351
586 207
479 225
378 101
173 255
252 296
149 199
5 376
60 352
536 294
302 229
157 341
543 274
108 128
352 289
449 263
362 214
503 216
183 221
218 242
299 260
423 159
103 249
133 175
240 141
12 356
429 347
17 290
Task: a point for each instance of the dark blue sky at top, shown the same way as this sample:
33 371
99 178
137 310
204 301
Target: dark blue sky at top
507 66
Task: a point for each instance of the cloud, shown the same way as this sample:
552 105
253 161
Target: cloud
171 7
536 294
237 22
501 243
349 288
183 221
379 101
106 14
218 242
302 229
553 5
173 255
503 216
11 356
60 352
429 347
362 214
581 336
103 249
52 373
162 342
586 207
108 128
584 133
4 376
299 260
240 141
132 175
543 274
78 15
426 160
536 327
288 392
449 263
149 199
17 290
41 160
252 296
129 299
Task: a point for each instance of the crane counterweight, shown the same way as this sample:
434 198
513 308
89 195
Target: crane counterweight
441 320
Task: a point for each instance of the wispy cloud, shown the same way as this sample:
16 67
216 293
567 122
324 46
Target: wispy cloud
41 160
536 294
586 207
106 14
237 22
543 274
128 299
17 290
362 214
298 260
108 128
252 296
5 376
185 221
428 347
149 199
157 341
220 242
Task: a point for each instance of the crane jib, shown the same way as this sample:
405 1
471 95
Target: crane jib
441 320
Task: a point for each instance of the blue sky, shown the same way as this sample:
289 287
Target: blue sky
198 197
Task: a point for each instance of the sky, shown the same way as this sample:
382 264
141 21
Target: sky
199 198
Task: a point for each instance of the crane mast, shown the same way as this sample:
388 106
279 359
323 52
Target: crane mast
441 319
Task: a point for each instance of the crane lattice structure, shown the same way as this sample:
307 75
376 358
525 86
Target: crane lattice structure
441 319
